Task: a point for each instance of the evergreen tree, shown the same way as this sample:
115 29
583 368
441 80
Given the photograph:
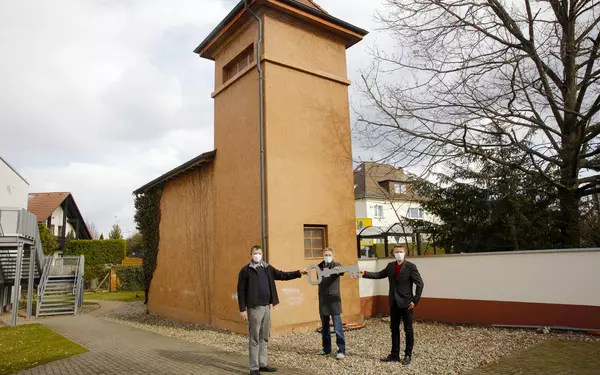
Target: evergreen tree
115 233
486 206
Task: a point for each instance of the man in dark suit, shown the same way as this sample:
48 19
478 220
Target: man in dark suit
401 275
330 305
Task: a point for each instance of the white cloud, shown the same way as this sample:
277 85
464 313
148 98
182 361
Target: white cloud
100 97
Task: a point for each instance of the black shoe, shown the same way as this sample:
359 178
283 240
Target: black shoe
254 372
406 360
267 369
391 358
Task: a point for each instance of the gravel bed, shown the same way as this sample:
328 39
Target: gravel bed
439 348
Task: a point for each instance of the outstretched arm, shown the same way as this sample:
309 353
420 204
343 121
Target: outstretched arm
281 275
375 275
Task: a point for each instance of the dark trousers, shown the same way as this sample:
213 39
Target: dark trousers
339 333
397 314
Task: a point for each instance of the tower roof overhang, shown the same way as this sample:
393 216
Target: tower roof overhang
238 16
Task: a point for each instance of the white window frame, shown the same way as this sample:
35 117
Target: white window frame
377 209
400 188
420 213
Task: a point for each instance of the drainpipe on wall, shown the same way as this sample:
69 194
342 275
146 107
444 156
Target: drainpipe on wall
261 103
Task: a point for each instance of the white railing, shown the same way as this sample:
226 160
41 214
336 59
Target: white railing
22 223
42 284
65 266
78 288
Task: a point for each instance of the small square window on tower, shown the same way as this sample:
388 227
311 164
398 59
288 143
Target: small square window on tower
238 64
315 240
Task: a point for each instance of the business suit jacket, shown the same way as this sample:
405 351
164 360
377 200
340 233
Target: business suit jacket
401 289
330 299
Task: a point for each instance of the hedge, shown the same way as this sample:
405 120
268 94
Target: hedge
98 253
130 278
147 218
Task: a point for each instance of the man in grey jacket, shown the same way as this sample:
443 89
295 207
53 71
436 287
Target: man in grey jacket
330 306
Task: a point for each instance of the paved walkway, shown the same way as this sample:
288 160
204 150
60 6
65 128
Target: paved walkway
554 357
118 349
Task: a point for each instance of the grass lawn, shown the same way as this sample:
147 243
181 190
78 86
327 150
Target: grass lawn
115 296
31 345
550 357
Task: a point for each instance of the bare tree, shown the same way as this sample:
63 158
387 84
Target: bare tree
93 230
473 77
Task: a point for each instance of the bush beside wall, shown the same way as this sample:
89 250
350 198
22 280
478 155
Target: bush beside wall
98 254
130 278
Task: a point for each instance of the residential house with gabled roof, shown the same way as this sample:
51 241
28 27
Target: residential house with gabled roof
384 195
59 212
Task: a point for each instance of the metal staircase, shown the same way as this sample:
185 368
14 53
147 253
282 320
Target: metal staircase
21 257
60 291
59 279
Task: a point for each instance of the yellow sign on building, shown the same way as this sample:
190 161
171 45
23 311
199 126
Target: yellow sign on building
363 222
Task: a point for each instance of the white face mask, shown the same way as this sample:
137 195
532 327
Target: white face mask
257 258
328 259
399 256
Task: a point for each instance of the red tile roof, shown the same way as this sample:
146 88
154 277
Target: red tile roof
44 204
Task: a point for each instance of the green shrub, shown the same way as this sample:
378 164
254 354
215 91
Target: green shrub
49 242
97 255
130 278
147 218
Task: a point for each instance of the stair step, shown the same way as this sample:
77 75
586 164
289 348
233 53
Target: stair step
57 313
57 309
65 290
59 300
43 304
57 296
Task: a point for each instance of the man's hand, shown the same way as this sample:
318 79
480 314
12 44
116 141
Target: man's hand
304 271
244 315
411 305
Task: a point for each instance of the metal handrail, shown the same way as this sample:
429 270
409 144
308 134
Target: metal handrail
76 276
79 283
42 284
23 224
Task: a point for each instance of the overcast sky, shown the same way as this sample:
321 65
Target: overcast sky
99 97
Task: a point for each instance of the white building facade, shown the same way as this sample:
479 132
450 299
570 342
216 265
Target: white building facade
57 218
384 213
14 189
386 201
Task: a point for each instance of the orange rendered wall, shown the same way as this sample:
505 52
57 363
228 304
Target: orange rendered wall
237 182
183 281
309 164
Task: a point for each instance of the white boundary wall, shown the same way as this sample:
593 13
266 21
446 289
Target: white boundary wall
570 277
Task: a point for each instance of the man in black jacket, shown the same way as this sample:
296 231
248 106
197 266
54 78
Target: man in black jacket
401 275
256 294
330 305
